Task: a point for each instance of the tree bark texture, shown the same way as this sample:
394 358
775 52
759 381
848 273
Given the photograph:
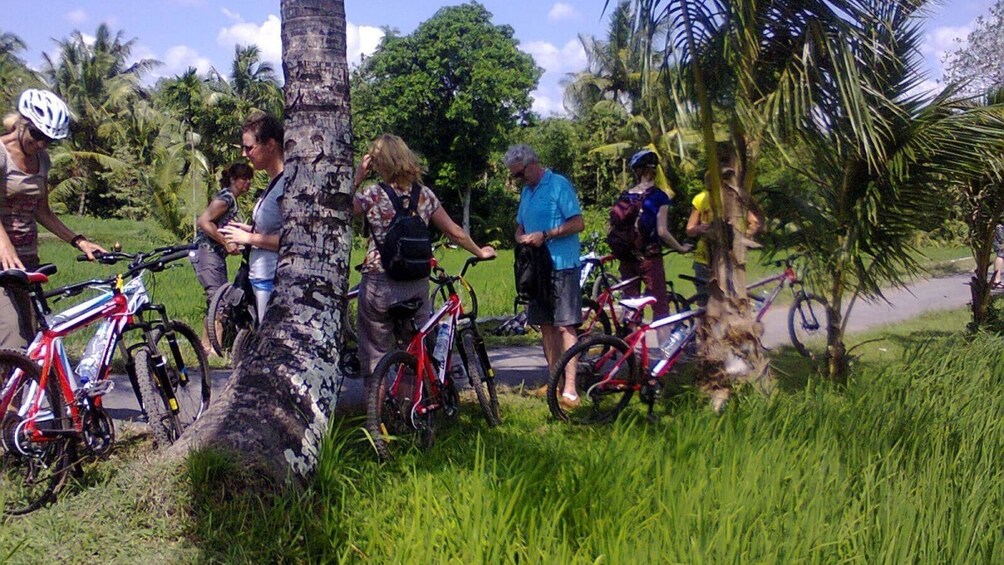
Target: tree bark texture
731 352
276 406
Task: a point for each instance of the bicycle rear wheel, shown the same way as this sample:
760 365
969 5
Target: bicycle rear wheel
388 410
605 377
32 469
595 320
159 417
242 346
807 323
483 385
187 370
221 328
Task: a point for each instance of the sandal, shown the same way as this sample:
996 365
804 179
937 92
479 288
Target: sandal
569 400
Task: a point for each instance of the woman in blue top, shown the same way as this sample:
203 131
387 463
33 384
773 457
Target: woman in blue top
653 224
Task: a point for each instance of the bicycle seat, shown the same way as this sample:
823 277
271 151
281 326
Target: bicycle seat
637 303
22 279
404 310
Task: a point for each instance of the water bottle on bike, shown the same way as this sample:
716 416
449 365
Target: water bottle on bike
441 350
87 368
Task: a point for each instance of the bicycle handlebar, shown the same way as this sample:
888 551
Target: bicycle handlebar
140 261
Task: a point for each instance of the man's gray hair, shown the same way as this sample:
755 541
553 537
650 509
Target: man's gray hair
522 154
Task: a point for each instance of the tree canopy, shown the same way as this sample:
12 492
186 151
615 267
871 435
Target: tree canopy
453 90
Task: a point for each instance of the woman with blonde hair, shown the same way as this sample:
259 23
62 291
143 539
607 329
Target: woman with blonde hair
41 119
400 172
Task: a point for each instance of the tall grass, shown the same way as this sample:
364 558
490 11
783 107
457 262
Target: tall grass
901 466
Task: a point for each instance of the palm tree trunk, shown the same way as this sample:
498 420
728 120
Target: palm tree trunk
276 407
730 351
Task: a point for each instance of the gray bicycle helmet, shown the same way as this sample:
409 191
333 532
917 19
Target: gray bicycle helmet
46 111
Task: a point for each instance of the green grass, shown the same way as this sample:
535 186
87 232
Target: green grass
901 466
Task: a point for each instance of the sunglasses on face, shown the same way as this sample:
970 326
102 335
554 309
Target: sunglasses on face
519 175
37 135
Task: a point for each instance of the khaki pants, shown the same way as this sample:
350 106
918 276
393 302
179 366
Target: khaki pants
377 292
17 319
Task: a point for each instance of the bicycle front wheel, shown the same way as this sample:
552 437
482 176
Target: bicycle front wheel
483 385
32 466
605 377
807 323
187 370
159 417
389 400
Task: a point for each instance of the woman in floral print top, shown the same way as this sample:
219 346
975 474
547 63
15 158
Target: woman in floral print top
398 168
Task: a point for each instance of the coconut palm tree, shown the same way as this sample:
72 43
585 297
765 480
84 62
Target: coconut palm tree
253 81
98 83
277 423
878 158
15 76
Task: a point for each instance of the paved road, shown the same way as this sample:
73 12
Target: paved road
524 366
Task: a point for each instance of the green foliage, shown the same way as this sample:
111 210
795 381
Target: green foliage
452 89
15 76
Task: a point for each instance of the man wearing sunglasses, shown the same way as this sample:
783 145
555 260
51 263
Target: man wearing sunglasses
549 215
41 119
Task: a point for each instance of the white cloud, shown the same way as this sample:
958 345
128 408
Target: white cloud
545 105
569 58
179 58
266 36
939 42
76 17
360 40
231 15
561 11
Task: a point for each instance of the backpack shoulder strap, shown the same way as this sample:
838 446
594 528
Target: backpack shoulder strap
392 196
416 193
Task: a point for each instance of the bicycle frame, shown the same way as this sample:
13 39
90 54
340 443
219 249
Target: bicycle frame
122 305
787 276
426 375
636 345
607 302
119 306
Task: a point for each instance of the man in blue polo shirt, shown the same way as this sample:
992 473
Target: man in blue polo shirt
549 214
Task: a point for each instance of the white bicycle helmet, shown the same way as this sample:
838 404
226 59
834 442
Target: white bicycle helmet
46 111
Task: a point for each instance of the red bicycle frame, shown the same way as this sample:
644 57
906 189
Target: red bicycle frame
47 350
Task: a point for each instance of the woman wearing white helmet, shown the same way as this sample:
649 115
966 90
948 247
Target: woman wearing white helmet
41 119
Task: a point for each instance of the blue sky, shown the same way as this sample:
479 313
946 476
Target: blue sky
202 33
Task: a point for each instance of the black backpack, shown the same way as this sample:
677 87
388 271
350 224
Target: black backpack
406 250
624 238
